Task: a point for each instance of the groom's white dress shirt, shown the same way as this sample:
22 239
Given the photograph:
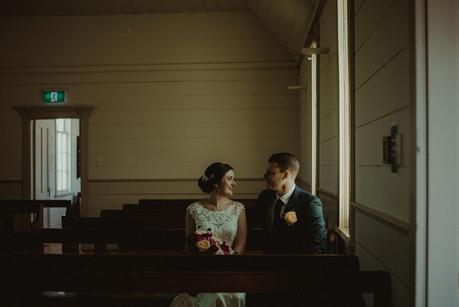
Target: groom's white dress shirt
284 198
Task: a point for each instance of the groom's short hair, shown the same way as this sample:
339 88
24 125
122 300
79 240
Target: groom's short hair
286 161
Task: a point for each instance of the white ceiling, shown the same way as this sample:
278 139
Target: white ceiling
286 19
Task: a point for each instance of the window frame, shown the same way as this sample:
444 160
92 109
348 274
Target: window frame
67 134
313 108
345 117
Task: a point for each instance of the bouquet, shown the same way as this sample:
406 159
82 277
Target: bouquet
204 242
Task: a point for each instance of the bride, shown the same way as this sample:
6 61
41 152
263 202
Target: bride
226 219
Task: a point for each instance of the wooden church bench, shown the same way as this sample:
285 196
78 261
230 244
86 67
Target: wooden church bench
26 214
332 279
134 239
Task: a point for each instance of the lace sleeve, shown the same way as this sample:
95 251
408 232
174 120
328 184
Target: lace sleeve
238 207
192 209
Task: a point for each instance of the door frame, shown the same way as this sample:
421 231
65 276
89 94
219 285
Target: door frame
34 112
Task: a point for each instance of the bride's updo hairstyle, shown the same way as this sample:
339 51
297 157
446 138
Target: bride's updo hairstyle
212 176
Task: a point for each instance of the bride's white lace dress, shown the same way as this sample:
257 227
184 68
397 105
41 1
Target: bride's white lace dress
223 224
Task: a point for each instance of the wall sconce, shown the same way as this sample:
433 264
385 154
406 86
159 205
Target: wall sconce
392 148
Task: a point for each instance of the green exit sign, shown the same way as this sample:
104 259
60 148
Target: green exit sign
53 96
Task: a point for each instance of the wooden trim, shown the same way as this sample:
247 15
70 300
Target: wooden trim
106 180
147 67
327 193
34 112
30 112
352 166
383 217
27 150
308 36
348 241
318 111
10 181
419 192
174 195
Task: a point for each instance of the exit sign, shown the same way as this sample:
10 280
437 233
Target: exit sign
53 96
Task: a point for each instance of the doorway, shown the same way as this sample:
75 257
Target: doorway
29 113
54 161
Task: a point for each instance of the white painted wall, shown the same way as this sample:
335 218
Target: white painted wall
328 101
443 159
305 121
457 148
384 96
179 92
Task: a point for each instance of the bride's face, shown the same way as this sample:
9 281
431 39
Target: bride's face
227 184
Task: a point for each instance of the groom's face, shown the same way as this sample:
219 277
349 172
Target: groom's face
275 178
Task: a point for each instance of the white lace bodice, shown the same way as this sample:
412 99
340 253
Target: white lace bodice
222 224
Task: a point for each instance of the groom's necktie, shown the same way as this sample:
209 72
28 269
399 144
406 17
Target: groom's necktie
277 212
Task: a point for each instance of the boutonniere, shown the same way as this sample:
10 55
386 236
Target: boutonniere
290 218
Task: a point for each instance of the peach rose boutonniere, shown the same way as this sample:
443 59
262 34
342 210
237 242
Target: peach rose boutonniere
290 218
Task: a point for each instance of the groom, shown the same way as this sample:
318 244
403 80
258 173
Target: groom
292 217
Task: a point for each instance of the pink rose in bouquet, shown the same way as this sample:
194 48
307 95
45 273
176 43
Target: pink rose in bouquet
204 242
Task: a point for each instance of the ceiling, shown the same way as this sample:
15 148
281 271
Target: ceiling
286 19
33 8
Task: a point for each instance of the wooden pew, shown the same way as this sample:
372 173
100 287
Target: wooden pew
164 240
133 239
25 215
289 280
159 213
31 211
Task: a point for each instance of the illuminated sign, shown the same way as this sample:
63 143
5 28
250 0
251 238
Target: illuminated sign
53 96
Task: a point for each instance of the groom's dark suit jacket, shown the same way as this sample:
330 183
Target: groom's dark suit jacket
307 235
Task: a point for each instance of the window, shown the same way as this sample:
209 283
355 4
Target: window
344 116
63 179
313 59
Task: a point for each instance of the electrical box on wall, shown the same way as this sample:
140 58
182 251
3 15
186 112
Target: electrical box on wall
392 149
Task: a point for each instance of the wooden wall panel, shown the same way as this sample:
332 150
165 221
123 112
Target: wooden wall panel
393 254
329 208
391 85
368 18
400 290
328 29
382 101
180 92
10 189
160 38
358 5
112 194
329 152
199 131
328 100
381 190
10 152
329 126
299 23
286 19
328 85
328 178
376 51
305 122
368 139
383 97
